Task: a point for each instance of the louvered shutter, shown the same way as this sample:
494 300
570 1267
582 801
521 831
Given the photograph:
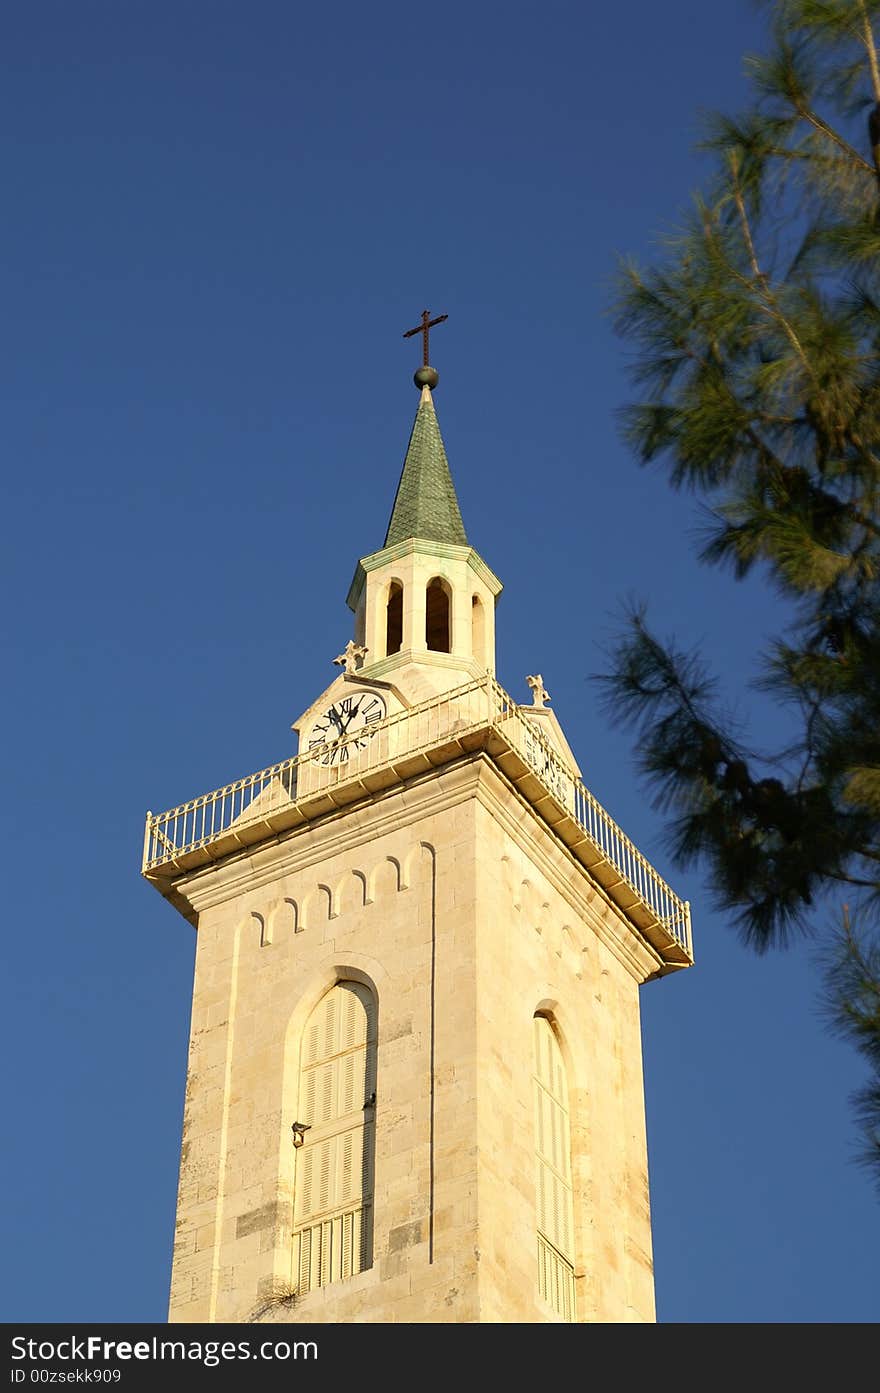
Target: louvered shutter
553 1191
334 1166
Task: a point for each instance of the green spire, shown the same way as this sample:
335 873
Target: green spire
425 504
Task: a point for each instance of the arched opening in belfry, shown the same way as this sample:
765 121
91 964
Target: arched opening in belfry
437 616
478 631
394 619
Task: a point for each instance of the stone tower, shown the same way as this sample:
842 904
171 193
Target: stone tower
415 1088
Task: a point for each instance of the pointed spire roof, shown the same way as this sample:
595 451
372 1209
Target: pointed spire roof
425 504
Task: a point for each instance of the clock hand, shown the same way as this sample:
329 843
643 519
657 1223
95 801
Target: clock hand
351 716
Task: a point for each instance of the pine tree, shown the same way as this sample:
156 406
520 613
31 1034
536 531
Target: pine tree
756 349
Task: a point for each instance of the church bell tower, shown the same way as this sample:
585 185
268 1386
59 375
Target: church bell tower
414 1087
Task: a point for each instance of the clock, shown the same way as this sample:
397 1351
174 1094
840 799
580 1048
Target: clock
346 727
547 764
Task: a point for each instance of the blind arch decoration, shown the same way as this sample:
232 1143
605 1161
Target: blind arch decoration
553 1190
333 1180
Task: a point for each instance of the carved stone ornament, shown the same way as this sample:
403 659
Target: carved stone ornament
352 657
539 691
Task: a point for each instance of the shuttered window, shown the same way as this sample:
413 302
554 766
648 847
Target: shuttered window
555 1210
333 1185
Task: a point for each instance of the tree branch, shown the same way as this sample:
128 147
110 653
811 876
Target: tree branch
868 40
853 880
807 114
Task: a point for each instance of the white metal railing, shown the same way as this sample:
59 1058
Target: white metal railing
480 705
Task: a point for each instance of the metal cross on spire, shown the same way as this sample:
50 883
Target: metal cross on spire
426 324
425 376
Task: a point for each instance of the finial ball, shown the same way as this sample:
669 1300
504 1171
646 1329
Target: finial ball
426 377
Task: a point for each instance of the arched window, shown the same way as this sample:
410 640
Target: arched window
333 1182
478 630
437 616
555 1211
394 619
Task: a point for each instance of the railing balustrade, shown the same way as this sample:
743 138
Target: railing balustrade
478 706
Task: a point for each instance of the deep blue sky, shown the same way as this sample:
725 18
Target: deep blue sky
218 220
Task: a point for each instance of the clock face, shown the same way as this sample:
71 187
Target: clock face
346 727
545 761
